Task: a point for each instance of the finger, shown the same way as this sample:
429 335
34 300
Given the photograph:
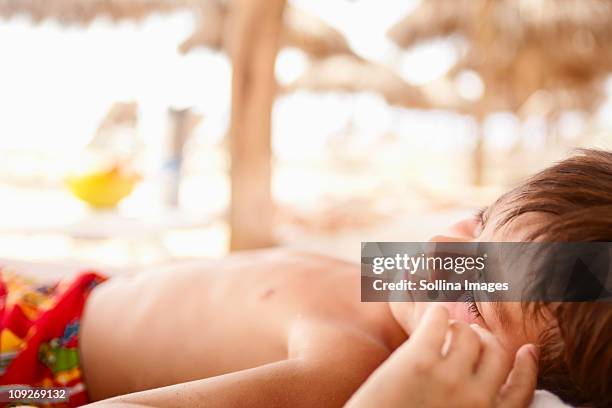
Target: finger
464 348
494 364
431 330
407 314
424 344
518 389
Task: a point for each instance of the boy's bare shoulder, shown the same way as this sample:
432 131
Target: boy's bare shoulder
332 344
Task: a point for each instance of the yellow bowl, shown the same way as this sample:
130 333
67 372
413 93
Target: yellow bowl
102 189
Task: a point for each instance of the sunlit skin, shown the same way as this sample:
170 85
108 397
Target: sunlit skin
259 327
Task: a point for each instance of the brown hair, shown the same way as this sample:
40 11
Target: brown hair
576 350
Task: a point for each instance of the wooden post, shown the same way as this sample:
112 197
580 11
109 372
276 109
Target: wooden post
254 35
485 36
478 156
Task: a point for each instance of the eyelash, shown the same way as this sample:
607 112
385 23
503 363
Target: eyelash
480 219
471 302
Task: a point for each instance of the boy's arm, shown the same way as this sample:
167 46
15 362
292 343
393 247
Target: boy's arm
280 384
325 366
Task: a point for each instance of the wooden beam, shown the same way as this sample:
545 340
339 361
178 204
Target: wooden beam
254 35
478 156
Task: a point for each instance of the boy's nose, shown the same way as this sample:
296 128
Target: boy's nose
446 238
468 228
456 310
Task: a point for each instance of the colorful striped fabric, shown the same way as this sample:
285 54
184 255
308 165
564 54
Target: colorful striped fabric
39 326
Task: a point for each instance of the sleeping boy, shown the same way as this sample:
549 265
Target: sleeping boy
280 328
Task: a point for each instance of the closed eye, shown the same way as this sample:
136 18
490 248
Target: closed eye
472 307
481 218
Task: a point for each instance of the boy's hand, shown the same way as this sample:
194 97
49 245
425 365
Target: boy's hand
472 372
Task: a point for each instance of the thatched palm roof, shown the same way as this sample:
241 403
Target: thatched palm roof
301 30
312 35
518 47
210 29
345 73
85 11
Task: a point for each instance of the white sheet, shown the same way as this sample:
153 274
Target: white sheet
545 399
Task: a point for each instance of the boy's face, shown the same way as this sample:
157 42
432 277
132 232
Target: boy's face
505 320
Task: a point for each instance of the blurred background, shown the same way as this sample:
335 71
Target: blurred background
137 132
